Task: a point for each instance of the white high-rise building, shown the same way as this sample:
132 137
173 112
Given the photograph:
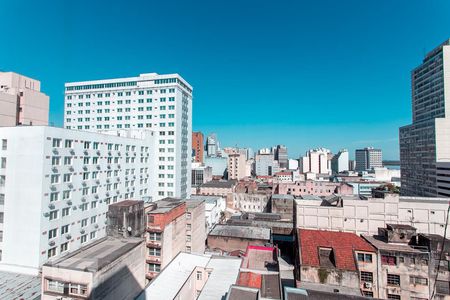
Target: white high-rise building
425 144
162 103
315 161
56 184
339 162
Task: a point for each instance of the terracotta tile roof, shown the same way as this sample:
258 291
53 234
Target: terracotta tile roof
250 279
342 243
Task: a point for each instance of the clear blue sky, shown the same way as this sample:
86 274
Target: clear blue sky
301 73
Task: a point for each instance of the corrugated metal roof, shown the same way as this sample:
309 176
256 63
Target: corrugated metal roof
14 286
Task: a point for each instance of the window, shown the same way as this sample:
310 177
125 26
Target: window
54 178
4 144
56 161
364 257
52 233
55 286
154 267
64 247
393 279
154 252
154 236
388 260
188 215
418 280
65 229
188 238
67 177
56 143
442 287
84 238
84 222
393 297
2 199
54 196
53 215
3 163
368 294
68 160
65 211
93 219
77 289
93 235
66 195
366 276
199 275
51 252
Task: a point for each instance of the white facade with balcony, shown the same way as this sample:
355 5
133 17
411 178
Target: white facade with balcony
56 185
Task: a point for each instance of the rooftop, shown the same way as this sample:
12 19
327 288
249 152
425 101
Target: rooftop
248 232
380 243
192 203
166 205
126 203
281 196
95 256
219 184
342 243
242 292
14 286
324 292
311 197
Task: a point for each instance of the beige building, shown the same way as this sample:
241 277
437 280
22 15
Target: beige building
237 167
109 269
21 101
195 226
364 215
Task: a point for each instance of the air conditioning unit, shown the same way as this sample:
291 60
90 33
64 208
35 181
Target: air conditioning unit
51 205
72 151
85 168
71 169
52 187
98 153
98 167
68 236
86 152
96 196
70 185
55 169
83 183
82 231
55 151
69 202
83 199
368 285
51 243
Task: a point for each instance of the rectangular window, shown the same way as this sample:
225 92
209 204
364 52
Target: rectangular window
56 143
84 238
154 251
364 257
64 247
65 229
393 279
54 196
53 215
393 297
154 236
366 276
388 260
4 144
54 178
52 233
51 252
199 275
3 163
84 222
418 280
65 211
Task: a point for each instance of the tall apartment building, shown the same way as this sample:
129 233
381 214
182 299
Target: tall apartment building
21 101
281 155
265 165
339 162
426 141
171 224
197 146
237 167
56 185
162 103
315 161
368 158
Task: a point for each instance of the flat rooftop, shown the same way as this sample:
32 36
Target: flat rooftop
166 205
242 292
126 203
16 286
192 203
95 256
379 243
219 184
248 232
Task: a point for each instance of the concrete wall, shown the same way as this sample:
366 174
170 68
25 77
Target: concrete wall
229 244
198 228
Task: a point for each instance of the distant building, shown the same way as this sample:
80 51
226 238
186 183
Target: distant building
195 226
218 165
424 143
293 164
200 174
368 158
340 162
265 165
312 187
315 161
229 238
214 207
194 276
340 260
21 101
252 201
236 166
212 145
197 146
222 188
281 155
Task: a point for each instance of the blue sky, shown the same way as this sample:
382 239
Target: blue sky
301 73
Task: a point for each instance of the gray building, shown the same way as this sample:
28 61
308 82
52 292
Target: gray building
426 141
340 162
281 155
265 165
368 158
212 145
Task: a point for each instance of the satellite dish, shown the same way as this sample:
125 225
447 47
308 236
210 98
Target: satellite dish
129 229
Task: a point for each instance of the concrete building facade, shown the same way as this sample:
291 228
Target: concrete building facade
237 168
162 103
339 162
21 101
368 158
197 146
56 185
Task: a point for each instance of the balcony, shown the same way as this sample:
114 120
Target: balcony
154 244
153 260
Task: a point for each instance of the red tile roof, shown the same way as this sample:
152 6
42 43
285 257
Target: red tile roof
250 279
343 244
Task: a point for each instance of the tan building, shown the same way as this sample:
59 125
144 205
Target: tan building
173 225
230 238
237 167
21 101
109 269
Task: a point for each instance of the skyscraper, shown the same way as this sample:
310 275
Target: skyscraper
368 158
162 103
281 155
212 145
426 142
197 146
21 101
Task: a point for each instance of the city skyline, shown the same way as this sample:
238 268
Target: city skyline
242 68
